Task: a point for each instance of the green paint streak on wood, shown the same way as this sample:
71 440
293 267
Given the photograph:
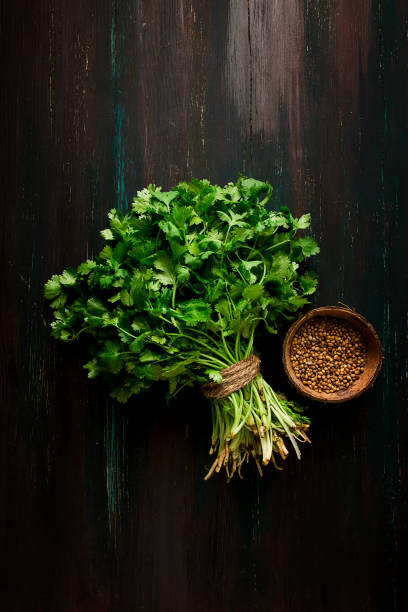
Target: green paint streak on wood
114 463
119 152
113 474
119 144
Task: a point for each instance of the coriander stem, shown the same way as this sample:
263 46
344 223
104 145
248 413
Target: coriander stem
211 362
237 347
199 331
275 246
82 330
173 296
228 352
251 341
124 331
199 342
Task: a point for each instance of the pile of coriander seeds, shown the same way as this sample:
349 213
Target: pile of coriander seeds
328 354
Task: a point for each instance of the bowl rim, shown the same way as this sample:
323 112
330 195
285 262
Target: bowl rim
339 396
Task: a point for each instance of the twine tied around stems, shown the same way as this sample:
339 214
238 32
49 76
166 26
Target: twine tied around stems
234 377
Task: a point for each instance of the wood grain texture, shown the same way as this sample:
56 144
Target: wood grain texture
104 508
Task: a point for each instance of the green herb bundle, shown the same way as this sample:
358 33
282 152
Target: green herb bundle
185 283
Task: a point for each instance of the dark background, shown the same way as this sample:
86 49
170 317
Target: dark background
104 508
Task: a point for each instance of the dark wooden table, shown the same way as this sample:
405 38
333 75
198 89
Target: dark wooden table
104 508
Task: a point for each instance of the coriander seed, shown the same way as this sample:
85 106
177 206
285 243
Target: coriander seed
328 354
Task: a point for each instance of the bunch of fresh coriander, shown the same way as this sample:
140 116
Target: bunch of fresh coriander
185 283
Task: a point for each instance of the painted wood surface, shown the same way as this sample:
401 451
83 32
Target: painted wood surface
104 508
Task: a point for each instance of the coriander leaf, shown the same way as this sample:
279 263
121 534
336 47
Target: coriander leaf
253 292
182 273
297 302
193 312
59 301
106 253
181 215
52 287
109 357
106 281
86 267
224 309
167 274
303 222
280 267
232 218
114 298
139 342
95 306
119 251
92 367
214 375
126 298
139 324
148 355
68 278
107 234
308 282
157 339
307 246
170 229
164 196
252 188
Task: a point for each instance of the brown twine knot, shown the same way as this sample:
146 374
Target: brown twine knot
234 377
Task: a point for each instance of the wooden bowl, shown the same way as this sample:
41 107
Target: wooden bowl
371 368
